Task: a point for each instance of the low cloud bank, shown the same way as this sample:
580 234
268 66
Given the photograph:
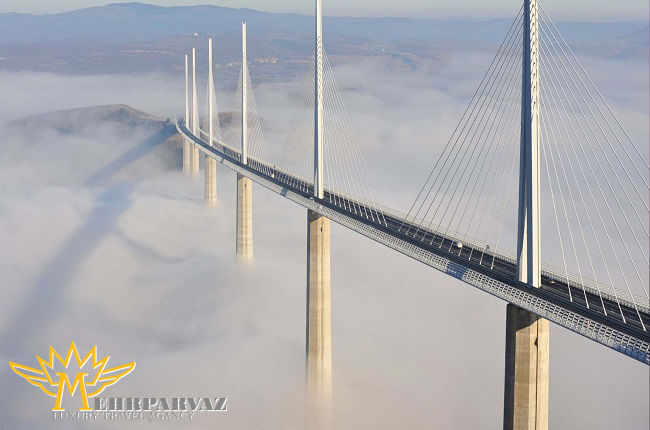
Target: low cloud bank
139 267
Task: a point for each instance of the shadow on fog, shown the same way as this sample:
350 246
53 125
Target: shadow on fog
129 157
47 294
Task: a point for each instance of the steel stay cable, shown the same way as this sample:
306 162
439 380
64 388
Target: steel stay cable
597 92
593 198
512 26
490 108
568 223
510 120
607 158
610 187
347 186
593 228
482 103
502 99
347 137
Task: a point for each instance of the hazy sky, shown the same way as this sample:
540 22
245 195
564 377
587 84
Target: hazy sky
603 10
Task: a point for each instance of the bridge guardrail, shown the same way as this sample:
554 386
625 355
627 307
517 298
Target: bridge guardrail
553 272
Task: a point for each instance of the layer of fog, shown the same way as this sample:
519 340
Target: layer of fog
140 268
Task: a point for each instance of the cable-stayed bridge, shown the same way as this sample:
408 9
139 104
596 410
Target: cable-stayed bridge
537 148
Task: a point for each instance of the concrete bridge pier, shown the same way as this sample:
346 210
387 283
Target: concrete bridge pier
210 182
244 218
526 373
319 322
195 161
186 157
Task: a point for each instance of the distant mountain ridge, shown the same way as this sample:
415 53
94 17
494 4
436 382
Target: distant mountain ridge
139 23
78 119
137 38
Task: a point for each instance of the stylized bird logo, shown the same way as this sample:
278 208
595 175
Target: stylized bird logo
103 378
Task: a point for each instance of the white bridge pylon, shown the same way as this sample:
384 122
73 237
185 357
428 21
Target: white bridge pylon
214 131
528 236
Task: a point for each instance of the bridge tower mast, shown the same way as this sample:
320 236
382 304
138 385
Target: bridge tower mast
210 196
186 143
528 246
318 103
244 98
244 184
194 158
527 335
319 303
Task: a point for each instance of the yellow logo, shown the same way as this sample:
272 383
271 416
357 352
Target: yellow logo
103 378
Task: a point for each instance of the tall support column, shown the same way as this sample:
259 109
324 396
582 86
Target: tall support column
319 314
194 156
318 105
210 163
186 143
244 184
527 363
527 335
244 218
319 322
